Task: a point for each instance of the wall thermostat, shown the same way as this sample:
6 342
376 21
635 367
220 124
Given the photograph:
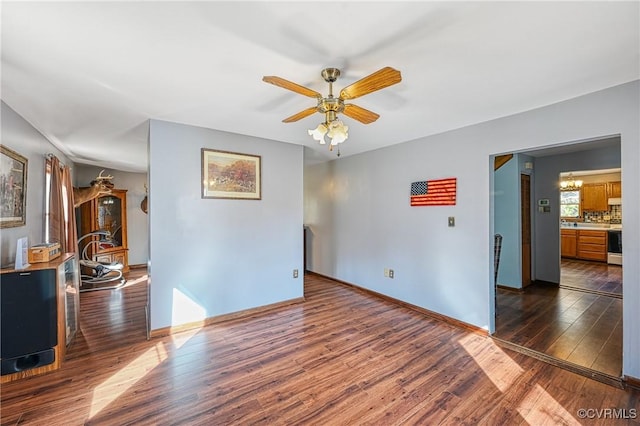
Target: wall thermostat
543 202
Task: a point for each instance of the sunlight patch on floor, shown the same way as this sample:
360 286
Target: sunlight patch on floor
497 366
504 372
112 388
179 339
537 404
142 279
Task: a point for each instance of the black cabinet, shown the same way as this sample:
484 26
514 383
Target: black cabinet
28 319
38 317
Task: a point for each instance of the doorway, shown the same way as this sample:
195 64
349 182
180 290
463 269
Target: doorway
590 214
549 316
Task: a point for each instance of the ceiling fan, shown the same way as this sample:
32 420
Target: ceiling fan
330 106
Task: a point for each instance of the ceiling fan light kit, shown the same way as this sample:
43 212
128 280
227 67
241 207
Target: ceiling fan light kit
331 106
337 132
318 133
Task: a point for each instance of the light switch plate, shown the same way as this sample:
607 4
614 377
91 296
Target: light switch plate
452 221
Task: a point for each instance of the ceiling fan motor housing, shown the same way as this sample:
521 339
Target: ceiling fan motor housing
330 104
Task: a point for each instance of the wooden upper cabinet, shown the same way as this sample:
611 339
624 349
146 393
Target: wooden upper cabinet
614 189
595 197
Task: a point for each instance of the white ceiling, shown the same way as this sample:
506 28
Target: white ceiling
89 75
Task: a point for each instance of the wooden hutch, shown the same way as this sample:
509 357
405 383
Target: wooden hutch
106 213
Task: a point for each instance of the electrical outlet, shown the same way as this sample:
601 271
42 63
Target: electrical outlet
295 273
390 273
386 272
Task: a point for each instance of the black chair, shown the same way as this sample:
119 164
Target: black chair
497 247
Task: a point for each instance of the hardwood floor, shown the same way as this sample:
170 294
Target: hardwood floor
591 276
342 357
579 322
112 318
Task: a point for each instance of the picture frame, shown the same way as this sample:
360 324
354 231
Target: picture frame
231 175
13 188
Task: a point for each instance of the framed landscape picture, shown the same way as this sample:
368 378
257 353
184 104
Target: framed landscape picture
13 188
230 175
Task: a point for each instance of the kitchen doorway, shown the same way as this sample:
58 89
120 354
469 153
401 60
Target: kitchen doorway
570 314
591 231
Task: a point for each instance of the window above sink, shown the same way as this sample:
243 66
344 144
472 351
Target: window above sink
570 204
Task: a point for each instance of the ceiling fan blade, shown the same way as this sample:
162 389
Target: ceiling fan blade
358 113
380 79
302 114
286 84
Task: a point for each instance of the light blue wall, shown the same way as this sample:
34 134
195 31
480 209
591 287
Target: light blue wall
507 222
23 138
217 256
369 225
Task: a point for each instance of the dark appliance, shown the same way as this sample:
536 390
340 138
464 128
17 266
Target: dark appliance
614 246
28 320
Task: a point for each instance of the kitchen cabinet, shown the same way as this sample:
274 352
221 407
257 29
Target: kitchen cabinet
583 244
614 189
592 245
106 213
594 197
568 242
40 306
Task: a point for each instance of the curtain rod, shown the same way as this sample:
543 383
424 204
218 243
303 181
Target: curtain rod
50 155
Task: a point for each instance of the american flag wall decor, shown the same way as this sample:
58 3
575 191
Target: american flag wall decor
437 192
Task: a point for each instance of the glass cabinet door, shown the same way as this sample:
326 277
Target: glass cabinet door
70 281
110 219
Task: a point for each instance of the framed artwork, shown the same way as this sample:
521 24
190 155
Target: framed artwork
13 188
231 175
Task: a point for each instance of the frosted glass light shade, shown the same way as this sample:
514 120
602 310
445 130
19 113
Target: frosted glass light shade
318 133
338 132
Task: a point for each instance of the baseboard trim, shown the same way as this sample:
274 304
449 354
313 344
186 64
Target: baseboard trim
167 331
511 289
543 282
138 266
565 365
440 317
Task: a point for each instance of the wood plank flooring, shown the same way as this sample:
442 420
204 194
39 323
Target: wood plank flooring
591 276
583 327
342 357
112 318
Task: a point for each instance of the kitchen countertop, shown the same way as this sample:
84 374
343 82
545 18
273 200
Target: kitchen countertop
590 227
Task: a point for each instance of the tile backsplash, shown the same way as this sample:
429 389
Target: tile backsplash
613 215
